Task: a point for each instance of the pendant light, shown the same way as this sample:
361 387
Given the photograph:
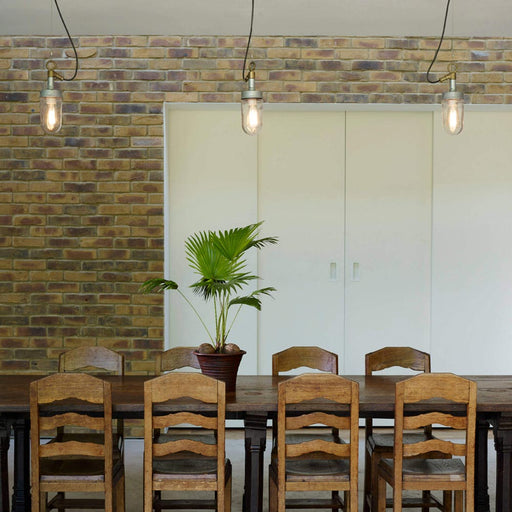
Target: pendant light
252 100
453 101
51 102
51 99
452 105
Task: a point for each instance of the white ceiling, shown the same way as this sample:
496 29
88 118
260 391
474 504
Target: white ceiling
272 17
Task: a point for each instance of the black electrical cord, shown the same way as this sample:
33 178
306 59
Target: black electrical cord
440 43
248 41
72 44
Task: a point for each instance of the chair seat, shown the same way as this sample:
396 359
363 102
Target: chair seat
292 438
83 469
175 468
207 437
429 469
317 470
385 441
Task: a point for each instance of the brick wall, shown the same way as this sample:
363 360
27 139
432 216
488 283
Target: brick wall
81 213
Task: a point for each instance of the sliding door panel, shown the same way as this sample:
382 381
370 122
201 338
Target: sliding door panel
212 177
388 232
472 246
301 196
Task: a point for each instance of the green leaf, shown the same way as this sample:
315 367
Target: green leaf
158 284
246 301
252 299
235 242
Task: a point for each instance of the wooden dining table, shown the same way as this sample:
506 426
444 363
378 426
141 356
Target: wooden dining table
255 402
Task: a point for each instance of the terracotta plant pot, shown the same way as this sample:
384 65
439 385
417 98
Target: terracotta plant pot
223 367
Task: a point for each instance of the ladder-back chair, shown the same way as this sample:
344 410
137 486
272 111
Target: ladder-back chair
379 445
316 464
452 403
80 465
184 464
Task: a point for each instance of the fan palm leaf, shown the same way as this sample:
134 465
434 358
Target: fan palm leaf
218 258
252 300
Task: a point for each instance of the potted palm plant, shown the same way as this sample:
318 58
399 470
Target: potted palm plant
218 258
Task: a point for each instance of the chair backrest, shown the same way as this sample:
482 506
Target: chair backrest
165 406
404 357
315 358
47 412
458 396
389 357
92 357
176 358
319 394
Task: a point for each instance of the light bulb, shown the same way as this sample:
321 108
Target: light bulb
252 105
51 114
453 115
252 118
453 108
51 103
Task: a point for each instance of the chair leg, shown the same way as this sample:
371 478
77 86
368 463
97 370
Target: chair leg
375 459
397 499
353 500
119 495
447 501
335 497
4 467
459 501
381 495
42 502
367 493
62 496
227 495
346 502
109 498
426 499
272 492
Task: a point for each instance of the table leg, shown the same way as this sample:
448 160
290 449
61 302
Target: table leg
481 471
5 433
503 445
21 494
255 441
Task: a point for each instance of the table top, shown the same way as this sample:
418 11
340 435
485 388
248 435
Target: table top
258 394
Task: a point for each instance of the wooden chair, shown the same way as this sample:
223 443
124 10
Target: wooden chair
315 358
378 446
185 464
405 471
170 360
175 359
95 360
316 464
79 465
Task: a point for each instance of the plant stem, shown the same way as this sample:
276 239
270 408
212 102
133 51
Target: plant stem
222 332
234 318
197 314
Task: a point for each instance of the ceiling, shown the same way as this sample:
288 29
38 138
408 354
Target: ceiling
272 17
